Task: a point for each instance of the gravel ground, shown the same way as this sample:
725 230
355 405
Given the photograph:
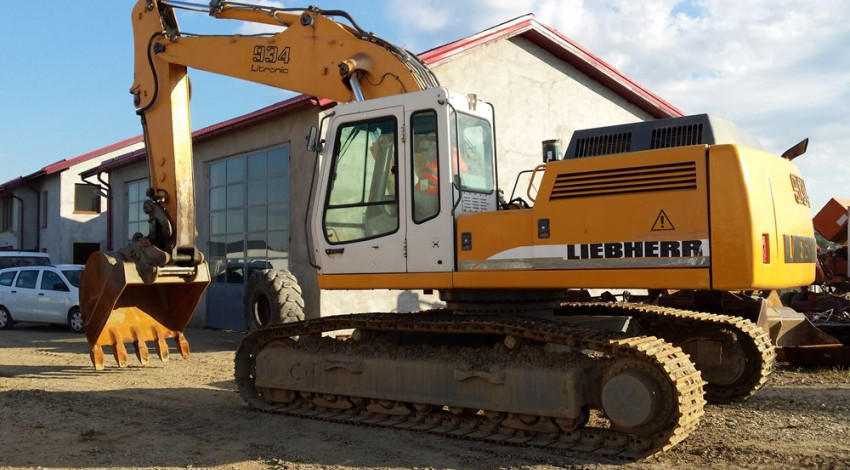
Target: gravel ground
57 412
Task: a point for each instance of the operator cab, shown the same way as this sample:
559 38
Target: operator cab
396 173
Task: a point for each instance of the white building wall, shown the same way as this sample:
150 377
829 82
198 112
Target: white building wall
51 234
66 226
537 97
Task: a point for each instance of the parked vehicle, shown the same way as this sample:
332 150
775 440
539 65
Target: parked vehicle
11 259
41 294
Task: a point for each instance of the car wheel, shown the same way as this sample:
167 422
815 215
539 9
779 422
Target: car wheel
5 319
75 320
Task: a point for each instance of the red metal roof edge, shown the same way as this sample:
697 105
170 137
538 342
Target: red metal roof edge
288 105
507 29
65 164
565 48
292 104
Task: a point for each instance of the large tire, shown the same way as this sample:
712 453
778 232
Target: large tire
272 297
6 321
75 321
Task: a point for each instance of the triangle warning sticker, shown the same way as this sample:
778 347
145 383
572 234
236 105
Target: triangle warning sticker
662 223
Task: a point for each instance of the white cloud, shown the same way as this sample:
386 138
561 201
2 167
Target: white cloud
778 68
260 28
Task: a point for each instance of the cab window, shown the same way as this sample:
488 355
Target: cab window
472 152
52 281
27 279
426 169
362 201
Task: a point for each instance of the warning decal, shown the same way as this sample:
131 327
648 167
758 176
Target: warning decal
662 223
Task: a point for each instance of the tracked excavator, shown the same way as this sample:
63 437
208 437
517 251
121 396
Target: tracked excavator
406 197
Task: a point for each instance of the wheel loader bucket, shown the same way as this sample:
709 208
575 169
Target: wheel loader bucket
118 307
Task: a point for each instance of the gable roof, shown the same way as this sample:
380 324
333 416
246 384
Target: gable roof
563 48
526 26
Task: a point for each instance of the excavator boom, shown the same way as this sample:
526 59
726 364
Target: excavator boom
312 54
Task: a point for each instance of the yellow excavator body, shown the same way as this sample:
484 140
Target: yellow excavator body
695 217
506 360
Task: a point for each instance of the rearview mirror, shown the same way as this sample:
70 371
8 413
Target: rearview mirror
796 150
313 142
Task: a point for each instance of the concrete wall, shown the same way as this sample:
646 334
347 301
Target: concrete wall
70 226
15 238
52 234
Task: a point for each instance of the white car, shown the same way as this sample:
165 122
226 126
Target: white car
41 294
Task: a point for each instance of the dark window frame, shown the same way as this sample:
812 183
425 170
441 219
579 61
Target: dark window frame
94 192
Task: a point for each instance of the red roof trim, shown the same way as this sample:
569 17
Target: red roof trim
567 50
293 104
65 164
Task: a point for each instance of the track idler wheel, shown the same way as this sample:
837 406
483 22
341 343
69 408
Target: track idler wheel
636 397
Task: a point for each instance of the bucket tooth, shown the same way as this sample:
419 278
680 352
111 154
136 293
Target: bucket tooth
120 353
141 351
96 355
182 345
161 347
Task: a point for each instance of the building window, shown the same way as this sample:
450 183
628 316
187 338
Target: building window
44 209
249 214
7 213
137 220
86 199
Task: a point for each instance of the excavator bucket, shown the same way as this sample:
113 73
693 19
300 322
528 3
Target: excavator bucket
800 342
119 307
797 340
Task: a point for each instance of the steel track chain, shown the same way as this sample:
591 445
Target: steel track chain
761 355
684 383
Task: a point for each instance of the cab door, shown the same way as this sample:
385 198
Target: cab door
430 225
362 219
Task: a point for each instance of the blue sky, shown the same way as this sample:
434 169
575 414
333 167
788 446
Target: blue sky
780 69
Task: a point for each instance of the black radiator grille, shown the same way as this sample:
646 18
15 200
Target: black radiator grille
639 179
676 136
603 145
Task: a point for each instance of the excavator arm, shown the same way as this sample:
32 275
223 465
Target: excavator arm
149 290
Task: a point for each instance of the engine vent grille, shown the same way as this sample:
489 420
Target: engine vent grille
676 136
593 146
471 202
640 179
684 131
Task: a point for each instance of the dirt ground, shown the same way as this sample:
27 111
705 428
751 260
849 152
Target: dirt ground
57 412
